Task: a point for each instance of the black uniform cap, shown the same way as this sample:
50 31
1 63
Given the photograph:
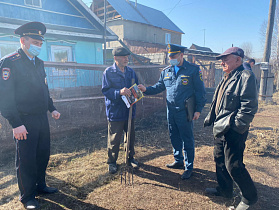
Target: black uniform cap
174 49
120 51
35 30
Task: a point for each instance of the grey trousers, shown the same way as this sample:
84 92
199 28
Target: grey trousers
115 133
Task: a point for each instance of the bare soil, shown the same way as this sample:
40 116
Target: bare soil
78 168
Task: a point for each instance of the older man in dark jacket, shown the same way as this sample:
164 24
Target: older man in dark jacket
232 110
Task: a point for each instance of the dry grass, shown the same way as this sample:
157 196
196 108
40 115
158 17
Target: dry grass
78 168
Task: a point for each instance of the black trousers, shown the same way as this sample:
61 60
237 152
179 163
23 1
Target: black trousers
115 133
228 156
32 156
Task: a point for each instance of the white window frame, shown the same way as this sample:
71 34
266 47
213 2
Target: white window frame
53 48
62 72
8 43
32 5
167 38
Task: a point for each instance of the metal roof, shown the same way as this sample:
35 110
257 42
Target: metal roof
71 18
197 47
143 14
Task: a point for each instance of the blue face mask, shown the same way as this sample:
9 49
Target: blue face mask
174 62
34 50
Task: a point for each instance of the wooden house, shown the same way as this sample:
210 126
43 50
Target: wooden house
141 28
74 34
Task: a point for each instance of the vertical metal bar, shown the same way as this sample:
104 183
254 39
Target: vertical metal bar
105 31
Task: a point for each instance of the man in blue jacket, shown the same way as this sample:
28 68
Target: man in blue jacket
117 79
249 64
181 80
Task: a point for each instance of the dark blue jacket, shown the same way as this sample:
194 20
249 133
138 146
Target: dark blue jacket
113 81
23 88
187 82
247 66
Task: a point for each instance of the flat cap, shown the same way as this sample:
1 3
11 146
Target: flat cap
120 51
35 30
174 49
233 50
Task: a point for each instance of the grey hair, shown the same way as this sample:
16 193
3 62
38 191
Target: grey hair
238 56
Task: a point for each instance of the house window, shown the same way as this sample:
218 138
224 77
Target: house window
61 54
34 3
155 38
168 38
8 47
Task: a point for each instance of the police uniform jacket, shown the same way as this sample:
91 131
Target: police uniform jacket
187 82
238 104
113 81
23 88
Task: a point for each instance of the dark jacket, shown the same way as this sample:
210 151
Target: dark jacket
238 105
113 81
186 83
247 66
23 88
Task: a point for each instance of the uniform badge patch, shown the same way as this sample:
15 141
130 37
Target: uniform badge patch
200 73
6 73
185 81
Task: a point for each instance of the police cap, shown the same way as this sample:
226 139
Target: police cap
120 51
174 49
35 30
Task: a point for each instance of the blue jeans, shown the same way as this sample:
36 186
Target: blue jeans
181 135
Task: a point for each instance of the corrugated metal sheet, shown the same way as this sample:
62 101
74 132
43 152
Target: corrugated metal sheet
67 15
143 14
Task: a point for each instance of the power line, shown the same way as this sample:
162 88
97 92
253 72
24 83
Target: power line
182 5
174 7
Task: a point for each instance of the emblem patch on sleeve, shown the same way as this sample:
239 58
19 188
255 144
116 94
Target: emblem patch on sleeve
184 81
6 73
200 73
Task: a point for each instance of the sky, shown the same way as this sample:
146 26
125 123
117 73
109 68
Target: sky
218 24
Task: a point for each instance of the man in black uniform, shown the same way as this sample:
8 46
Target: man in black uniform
24 103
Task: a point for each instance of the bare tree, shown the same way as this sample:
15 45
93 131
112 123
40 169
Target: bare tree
248 48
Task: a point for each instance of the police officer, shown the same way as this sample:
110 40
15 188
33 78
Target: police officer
24 103
116 82
181 80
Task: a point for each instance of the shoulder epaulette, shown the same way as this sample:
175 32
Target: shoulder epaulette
166 67
14 56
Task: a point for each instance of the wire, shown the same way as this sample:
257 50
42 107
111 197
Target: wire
174 7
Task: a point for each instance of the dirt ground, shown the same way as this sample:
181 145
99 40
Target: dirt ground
78 168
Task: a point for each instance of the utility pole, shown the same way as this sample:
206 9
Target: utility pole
203 37
267 49
266 89
105 32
